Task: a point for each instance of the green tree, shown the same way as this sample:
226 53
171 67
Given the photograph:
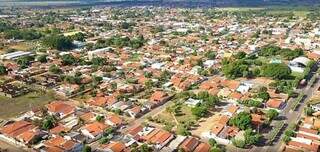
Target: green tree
99 118
58 42
289 133
78 37
98 61
276 70
242 120
212 142
145 148
238 143
308 111
286 139
55 69
183 130
25 61
3 69
251 138
199 111
240 55
211 55
68 59
272 113
42 58
48 123
263 95
86 148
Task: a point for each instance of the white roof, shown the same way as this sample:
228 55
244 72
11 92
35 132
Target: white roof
302 60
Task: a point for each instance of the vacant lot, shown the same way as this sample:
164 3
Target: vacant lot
11 107
183 116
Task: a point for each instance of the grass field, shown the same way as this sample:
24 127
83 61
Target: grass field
185 115
11 107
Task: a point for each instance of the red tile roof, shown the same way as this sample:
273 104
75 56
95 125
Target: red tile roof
203 147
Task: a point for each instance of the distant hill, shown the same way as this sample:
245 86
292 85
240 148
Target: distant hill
170 3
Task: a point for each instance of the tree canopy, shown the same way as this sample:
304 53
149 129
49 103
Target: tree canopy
276 70
242 120
58 42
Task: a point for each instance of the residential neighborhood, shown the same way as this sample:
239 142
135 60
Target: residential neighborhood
143 79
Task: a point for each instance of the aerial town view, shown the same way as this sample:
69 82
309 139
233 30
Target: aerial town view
160 76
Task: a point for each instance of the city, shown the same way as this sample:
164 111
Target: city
152 78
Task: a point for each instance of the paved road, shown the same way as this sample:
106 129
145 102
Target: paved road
291 117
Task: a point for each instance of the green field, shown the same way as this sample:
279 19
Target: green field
11 107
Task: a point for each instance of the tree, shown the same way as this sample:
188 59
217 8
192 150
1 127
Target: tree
183 130
68 59
238 143
42 58
58 42
289 133
86 148
25 61
251 138
78 37
276 70
263 95
55 69
99 118
3 69
98 61
22 34
199 111
240 55
286 139
211 55
216 149
145 148
48 123
242 120
104 140
272 113
212 142
308 111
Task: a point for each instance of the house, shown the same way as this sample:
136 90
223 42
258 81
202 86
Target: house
159 98
114 121
67 89
216 129
88 117
275 103
59 129
202 147
136 111
31 136
159 138
304 145
60 109
115 146
190 144
257 119
58 143
175 143
16 128
94 130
